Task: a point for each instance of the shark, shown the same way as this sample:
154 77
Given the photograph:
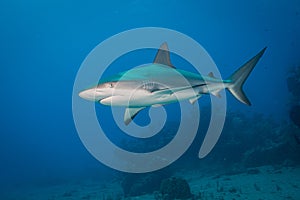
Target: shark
160 83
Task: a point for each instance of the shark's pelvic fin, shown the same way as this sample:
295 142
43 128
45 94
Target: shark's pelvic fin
130 113
193 100
163 56
238 78
216 93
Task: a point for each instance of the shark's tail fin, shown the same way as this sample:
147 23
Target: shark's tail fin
238 78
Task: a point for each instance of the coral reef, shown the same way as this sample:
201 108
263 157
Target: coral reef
140 184
175 188
293 84
247 141
295 114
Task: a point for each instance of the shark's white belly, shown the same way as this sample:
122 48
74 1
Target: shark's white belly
145 98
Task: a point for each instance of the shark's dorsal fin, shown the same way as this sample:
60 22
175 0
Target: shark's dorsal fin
210 74
130 113
163 56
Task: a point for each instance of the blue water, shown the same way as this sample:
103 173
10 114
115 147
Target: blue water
43 43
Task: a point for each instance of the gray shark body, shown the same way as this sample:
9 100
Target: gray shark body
160 83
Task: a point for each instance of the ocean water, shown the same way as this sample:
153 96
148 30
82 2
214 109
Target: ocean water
43 44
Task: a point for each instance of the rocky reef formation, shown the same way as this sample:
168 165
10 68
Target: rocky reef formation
140 184
293 84
175 188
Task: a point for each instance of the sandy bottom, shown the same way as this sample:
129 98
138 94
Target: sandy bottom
258 183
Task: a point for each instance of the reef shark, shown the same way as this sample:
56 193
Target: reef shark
160 83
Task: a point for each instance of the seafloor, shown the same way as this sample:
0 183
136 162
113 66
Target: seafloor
255 158
267 182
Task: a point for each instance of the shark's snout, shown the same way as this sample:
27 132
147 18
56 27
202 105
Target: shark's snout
88 94
94 94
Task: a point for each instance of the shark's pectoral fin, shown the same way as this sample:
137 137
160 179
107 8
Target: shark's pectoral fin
163 56
130 113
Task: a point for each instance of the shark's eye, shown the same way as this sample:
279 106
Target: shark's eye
110 85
